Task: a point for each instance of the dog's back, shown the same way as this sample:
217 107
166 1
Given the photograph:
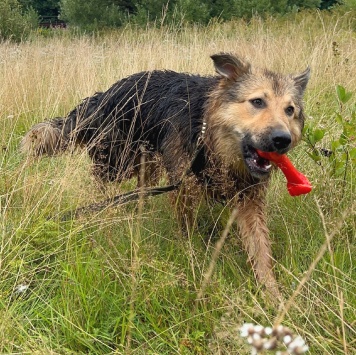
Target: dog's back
145 109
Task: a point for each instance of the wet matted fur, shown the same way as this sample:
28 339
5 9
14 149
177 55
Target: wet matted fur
162 112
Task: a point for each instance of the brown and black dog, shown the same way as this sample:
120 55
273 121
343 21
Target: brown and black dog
244 109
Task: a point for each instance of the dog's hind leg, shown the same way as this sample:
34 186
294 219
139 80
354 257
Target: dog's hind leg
147 168
255 239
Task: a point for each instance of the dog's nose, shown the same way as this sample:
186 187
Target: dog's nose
281 140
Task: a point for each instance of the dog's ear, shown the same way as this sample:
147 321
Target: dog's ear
301 80
229 66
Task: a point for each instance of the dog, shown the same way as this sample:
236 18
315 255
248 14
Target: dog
160 115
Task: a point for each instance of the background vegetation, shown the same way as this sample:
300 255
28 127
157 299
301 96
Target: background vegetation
17 17
126 280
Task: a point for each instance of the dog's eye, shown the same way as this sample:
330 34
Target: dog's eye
289 110
258 103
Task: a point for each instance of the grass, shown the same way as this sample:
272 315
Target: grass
126 280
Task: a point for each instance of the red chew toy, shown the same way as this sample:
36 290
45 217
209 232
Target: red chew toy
297 183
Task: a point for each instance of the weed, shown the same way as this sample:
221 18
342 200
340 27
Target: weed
341 152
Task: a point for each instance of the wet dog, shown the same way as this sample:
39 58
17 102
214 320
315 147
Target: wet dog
161 114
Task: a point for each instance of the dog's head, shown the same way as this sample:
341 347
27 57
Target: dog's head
255 109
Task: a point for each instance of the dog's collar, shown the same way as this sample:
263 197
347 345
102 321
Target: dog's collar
198 161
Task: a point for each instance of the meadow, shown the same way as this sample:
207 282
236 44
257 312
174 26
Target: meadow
126 280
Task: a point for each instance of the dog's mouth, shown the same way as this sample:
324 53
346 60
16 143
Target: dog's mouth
257 165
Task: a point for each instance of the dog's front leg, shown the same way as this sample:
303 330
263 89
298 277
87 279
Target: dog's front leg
254 234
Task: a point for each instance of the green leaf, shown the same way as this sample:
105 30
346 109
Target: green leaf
318 134
198 335
306 130
339 168
347 97
353 116
343 139
340 91
339 118
352 154
311 140
335 145
342 94
344 158
314 156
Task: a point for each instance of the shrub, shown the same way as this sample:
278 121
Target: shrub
14 23
95 14
342 149
92 14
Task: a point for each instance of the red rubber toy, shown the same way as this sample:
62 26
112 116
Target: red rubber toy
297 183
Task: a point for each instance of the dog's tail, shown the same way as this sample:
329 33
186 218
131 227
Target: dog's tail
45 138
56 135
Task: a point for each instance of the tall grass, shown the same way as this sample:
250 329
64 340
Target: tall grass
126 280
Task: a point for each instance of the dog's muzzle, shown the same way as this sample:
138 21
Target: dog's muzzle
275 141
258 166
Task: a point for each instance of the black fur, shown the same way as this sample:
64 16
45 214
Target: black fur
150 108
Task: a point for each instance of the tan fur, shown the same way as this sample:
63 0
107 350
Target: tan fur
228 122
240 118
43 138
